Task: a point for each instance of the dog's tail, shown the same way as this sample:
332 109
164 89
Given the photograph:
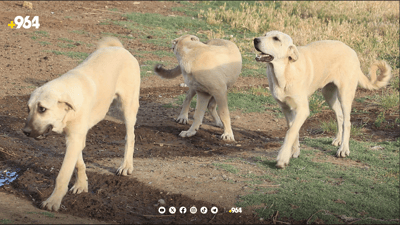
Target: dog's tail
109 42
379 81
168 74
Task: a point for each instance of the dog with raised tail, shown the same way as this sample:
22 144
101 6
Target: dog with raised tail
296 72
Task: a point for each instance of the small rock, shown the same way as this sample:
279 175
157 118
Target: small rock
27 5
378 147
183 85
161 202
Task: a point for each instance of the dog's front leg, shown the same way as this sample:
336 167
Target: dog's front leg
201 107
74 149
290 115
285 153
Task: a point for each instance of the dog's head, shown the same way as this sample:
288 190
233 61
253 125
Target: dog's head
185 40
47 111
275 45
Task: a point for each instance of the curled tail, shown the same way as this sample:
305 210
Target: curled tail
109 42
376 82
168 74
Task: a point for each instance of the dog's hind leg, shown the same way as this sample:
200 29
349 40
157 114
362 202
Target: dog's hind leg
183 116
212 107
81 183
130 107
223 111
346 96
201 107
330 93
289 115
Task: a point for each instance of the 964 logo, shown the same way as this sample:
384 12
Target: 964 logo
236 210
26 23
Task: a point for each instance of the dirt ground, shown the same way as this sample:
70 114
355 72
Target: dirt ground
180 171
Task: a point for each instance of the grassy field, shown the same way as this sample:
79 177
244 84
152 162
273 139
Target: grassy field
366 189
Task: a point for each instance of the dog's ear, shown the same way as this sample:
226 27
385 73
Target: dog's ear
293 53
66 98
194 38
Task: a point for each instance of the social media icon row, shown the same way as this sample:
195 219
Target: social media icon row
193 210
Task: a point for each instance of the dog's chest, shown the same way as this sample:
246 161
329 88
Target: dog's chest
277 92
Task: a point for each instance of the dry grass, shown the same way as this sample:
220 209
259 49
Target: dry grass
371 28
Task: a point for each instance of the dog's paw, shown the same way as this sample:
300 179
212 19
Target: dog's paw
296 153
158 67
51 204
282 163
343 152
187 133
227 137
296 150
125 169
79 187
336 142
182 119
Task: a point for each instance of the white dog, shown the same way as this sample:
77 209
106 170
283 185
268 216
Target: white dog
295 73
209 69
78 100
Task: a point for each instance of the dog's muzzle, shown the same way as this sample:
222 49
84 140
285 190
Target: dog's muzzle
29 133
263 57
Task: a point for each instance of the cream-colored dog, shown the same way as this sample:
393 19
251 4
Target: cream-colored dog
78 100
209 70
295 73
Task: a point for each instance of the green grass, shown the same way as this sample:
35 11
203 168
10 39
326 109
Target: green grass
331 127
79 32
66 40
170 105
64 45
44 43
227 167
253 100
72 54
307 186
6 221
317 103
41 33
380 119
47 214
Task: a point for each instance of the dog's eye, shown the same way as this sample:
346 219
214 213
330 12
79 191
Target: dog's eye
42 109
276 38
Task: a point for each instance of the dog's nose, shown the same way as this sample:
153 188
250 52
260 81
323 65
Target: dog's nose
26 132
256 41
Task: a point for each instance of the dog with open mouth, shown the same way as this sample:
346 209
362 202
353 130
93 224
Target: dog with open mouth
78 100
296 72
